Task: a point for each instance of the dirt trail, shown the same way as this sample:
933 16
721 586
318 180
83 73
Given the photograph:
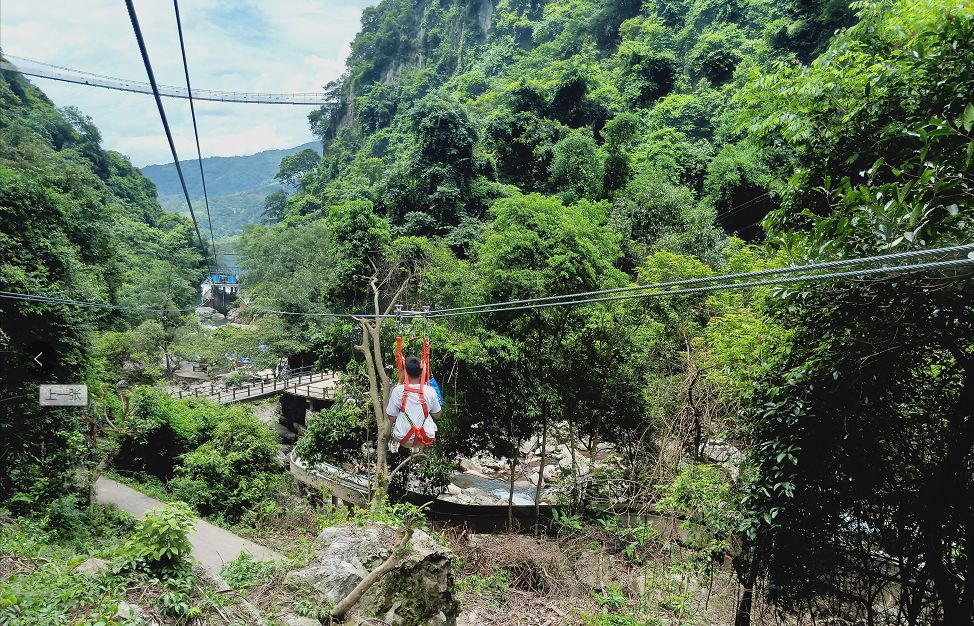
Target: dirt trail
212 545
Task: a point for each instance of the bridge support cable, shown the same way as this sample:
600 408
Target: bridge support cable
37 69
165 124
196 132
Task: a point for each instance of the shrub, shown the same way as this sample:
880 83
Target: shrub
705 494
717 53
576 169
493 587
159 428
613 598
334 434
160 543
232 472
244 572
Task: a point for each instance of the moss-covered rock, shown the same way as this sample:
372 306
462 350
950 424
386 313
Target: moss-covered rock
416 592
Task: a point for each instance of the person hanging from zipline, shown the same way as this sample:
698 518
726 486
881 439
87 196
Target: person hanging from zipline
414 405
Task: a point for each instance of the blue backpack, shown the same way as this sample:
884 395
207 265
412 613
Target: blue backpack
436 388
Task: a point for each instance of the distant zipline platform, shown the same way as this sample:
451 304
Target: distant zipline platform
38 69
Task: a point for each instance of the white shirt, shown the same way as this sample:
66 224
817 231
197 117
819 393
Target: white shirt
413 415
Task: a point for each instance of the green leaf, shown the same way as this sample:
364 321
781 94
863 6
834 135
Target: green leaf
967 117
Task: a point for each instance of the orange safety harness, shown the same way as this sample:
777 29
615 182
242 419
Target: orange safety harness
416 433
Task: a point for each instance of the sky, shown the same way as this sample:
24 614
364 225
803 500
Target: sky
234 45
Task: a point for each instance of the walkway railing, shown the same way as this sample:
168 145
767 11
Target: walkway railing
295 380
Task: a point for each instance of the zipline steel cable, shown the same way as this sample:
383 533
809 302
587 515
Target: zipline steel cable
898 256
196 132
863 273
165 123
30 297
586 297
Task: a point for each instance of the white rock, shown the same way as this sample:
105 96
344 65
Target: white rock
721 453
524 485
476 493
134 613
93 567
584 467
469 465
470 619
205 312
551 472
290 619
453 490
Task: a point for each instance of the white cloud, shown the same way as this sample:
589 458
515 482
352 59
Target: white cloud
284 46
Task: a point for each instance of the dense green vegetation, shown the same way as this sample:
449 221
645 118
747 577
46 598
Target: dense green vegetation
479 152
529 149
445 105
82 224
79 223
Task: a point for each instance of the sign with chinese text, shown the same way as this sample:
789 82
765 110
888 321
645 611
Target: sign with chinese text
64 395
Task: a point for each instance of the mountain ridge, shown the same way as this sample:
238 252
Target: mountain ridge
236 185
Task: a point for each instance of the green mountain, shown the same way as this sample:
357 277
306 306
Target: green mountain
447 105
237 186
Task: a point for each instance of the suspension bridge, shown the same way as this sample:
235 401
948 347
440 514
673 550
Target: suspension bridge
37 69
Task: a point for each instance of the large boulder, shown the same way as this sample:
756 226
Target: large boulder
204 313
239 315
416 592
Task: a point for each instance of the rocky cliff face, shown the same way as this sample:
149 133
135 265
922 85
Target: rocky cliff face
397 38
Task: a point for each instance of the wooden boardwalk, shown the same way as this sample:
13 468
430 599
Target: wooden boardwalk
303 383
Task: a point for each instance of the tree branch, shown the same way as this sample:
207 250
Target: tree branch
395 559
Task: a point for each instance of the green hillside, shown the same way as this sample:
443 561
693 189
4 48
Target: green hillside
695 279
78 223
237 186
448 105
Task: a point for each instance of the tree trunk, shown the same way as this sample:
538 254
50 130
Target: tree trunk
510 498
954 590
377 396
743 615
594 439
540 486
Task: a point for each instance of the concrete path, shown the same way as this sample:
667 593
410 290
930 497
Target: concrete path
212 545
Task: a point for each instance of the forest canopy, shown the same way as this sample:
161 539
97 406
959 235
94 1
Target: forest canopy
817 434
